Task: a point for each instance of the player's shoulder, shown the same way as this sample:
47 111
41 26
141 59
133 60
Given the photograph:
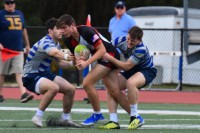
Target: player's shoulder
83 28
118 40
46 40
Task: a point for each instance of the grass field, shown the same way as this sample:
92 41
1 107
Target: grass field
16 117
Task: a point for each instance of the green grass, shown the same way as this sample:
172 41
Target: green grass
20 121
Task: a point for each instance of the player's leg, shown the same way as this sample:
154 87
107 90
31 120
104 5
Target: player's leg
114 88
97 73
68 91
112 107
49 89
114 96
133 83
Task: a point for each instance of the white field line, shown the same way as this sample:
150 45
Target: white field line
25 120
150 127
120 111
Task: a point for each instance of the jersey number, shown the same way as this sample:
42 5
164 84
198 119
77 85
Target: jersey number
15 24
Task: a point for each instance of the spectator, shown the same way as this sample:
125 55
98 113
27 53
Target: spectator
120 24
12 31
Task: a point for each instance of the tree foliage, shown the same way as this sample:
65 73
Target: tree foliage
38 11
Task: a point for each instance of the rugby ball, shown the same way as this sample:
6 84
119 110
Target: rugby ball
81 52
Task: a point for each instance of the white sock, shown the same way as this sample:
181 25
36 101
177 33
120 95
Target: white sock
134 111
113 117
66 116
39 113
97 112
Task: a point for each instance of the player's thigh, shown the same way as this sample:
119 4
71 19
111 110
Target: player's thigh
46 84
122 81
63 84
97 73
137 80
111 81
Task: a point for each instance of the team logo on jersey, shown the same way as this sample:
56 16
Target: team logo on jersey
95 37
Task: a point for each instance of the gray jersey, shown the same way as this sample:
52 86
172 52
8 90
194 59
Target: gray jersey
38 59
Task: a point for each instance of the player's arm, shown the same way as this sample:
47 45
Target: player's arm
120 64
64 64
54 52
100 51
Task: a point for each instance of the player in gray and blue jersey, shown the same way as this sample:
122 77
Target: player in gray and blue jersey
38 78
38 60
138 71
139 54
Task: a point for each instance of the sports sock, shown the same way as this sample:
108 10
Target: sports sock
113 117
66 116
39 113
97 112
134 111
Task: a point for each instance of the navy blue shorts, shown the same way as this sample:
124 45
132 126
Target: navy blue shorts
149 73
32 78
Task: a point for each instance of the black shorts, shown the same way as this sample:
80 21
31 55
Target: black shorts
107 63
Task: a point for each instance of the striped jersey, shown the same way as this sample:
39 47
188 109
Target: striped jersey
139 54
38 59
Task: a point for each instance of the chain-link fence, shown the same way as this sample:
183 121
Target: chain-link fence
165 47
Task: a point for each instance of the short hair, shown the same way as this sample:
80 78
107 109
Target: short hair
65 20
51 23
136 33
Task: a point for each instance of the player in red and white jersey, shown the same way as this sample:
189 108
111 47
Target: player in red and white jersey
98 46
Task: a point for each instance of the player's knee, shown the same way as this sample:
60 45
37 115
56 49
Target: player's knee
54 88
130 84
71 91
114 93
86 85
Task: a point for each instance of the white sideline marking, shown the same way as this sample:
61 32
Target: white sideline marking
120 111
164 126
25 120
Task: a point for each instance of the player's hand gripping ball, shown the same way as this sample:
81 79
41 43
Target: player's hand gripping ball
81 52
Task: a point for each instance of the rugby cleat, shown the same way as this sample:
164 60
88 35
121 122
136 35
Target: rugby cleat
37 121
136 122
68 123
94 118
110 125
